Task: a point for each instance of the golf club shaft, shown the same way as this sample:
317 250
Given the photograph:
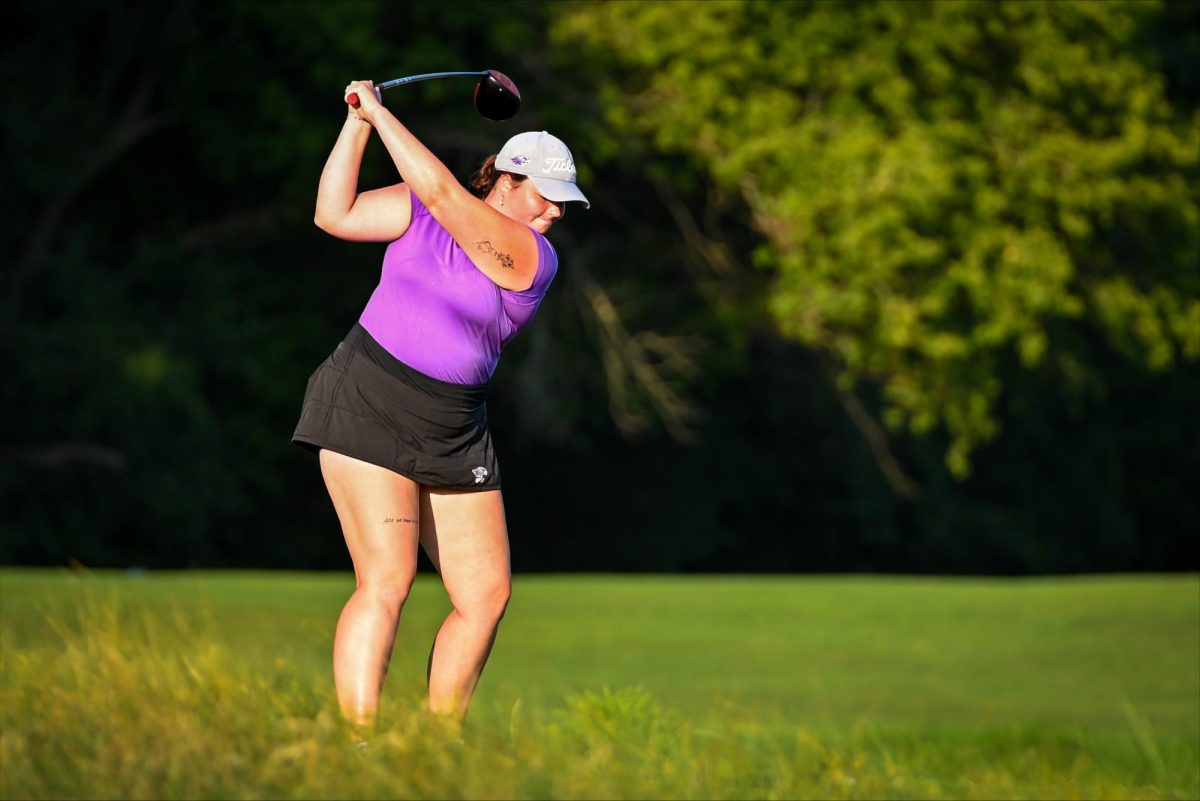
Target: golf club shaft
353 98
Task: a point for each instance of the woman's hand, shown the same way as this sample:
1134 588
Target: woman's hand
370 100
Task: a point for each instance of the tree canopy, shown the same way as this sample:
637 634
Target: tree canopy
940 188
864 286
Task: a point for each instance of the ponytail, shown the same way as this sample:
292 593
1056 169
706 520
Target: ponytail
484 179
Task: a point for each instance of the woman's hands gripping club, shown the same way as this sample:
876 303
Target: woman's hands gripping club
364 98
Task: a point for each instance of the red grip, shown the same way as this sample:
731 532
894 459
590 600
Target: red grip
353 99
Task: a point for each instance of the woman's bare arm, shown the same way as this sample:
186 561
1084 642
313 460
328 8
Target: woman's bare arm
503 249
378 215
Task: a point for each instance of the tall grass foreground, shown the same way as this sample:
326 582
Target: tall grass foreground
108 696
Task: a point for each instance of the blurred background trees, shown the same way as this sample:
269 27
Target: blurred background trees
873 286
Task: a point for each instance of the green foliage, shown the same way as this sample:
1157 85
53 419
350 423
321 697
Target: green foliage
941 188
972 213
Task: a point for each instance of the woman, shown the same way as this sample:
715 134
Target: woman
398 412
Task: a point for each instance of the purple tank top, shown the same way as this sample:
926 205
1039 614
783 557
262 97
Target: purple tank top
436 312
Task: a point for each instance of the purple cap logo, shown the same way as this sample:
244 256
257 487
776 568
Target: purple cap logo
519 160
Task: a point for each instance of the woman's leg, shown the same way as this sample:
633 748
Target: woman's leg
466 538
379 511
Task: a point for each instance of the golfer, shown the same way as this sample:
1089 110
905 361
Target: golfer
398 412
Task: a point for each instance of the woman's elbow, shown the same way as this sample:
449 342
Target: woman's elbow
435 198
325 222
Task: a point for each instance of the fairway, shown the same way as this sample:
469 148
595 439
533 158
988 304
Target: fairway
1084 682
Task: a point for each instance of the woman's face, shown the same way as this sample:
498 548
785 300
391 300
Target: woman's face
525 204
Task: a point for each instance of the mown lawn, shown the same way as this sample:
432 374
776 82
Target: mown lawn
212 684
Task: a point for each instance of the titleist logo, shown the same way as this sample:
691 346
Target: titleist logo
559 165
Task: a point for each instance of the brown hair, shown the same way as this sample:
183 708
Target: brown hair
485 177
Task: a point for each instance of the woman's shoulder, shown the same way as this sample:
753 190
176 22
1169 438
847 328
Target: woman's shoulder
547 269
547 255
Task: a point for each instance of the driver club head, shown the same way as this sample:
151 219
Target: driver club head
497 97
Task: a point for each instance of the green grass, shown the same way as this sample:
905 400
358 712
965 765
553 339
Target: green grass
218 685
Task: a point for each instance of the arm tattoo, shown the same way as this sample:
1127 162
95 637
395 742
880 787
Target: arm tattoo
399 520
506 261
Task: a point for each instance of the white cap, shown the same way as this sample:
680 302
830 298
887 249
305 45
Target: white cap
547 162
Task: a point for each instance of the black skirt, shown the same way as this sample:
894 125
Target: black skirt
367 404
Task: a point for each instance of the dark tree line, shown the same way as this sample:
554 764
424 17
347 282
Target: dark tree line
863 287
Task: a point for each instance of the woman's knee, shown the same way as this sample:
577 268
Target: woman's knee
485 605
390 592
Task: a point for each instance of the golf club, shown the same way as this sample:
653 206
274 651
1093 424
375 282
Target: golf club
496 97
